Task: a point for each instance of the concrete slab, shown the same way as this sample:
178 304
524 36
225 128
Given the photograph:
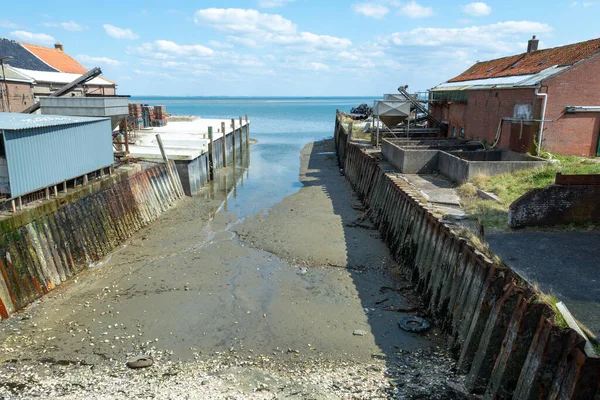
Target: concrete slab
183 140
564 263
434 188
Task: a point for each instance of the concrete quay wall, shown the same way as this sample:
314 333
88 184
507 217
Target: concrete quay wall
502 336
42 247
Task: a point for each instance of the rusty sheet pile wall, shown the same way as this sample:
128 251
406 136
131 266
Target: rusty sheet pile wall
39 253
499 331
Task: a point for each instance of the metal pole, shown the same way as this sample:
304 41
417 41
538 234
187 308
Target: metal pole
5 85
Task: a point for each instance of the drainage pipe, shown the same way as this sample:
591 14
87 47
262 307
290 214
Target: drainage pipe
545 97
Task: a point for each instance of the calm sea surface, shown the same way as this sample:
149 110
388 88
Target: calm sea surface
282 126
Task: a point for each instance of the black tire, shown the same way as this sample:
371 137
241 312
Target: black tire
414 324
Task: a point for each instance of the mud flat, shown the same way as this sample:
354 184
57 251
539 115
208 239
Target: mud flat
304 303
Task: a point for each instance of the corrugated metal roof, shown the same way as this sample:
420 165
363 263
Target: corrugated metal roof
14 76
16 121
22 58
60 77
501 82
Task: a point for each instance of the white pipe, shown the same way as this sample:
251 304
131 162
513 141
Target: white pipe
542 118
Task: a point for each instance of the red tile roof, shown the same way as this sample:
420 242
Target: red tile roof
531 63
56 59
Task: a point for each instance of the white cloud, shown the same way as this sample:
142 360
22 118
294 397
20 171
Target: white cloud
30 37
372 10
120 33
584 4
6 24
255 29
94 61
220 45
495 37
415 10
243 41
273 3
71 26
477 9
168 50
317 66
241 20
170 47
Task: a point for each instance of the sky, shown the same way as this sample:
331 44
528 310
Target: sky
292 47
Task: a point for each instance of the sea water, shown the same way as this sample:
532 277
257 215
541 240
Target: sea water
282 126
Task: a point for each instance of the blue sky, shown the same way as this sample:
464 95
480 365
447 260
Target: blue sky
292 47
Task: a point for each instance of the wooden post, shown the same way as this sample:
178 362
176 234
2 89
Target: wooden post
349 137
85 180
247 131
233 137
211 153
55 191
126 141
241 132
166 160
13 205
224 140
20 203
47 190
65 186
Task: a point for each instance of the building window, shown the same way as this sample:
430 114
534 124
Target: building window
453 133
461 132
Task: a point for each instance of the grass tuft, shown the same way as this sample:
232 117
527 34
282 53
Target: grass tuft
550 300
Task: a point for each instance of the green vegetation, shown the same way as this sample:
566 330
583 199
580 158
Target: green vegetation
509 187
551 300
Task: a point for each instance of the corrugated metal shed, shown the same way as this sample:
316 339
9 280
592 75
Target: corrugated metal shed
45 150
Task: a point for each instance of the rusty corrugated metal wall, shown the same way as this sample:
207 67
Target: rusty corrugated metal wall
40 255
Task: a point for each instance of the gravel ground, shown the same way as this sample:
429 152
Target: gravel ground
418 375
296 302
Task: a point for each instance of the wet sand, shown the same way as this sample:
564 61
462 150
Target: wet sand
293 299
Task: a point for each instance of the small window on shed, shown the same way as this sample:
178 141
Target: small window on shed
543 62
515 64
453 131
461 132
490 70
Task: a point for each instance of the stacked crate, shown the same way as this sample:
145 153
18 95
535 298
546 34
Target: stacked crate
160 115
135 115
148 115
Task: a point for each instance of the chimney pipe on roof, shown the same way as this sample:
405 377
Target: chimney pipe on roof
58 46
532 45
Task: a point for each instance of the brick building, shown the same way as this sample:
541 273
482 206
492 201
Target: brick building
512 100
37 71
